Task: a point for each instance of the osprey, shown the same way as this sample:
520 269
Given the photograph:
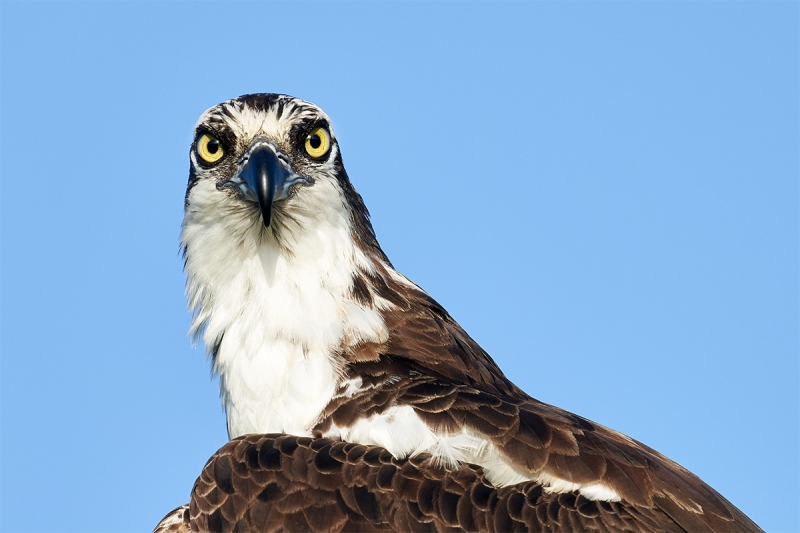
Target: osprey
354 400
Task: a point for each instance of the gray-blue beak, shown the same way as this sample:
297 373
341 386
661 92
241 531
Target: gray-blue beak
266 177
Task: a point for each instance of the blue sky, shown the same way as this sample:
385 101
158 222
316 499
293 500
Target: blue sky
605 195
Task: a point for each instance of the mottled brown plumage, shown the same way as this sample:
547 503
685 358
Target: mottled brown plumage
432 364
286 483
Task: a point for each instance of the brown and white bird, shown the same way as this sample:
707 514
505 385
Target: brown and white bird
383 413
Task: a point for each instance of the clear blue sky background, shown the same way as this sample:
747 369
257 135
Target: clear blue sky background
605 195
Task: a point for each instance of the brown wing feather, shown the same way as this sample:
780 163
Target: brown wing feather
421 331
542 438
431 364
347 487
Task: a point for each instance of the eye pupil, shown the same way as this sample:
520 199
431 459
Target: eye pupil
315 141
212 146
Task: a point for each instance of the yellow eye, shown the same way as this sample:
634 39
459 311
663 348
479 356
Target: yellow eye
209 148
318 142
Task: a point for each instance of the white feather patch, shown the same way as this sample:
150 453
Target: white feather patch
400 430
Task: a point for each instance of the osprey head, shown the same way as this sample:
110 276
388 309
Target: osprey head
264 156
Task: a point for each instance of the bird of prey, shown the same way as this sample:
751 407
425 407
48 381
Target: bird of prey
354 400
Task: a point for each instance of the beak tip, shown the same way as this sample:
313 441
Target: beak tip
266 213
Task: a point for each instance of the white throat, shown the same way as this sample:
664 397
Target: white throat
278 318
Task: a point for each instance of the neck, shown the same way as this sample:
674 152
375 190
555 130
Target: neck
275 321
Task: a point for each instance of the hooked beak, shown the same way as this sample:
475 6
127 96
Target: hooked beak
265 176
